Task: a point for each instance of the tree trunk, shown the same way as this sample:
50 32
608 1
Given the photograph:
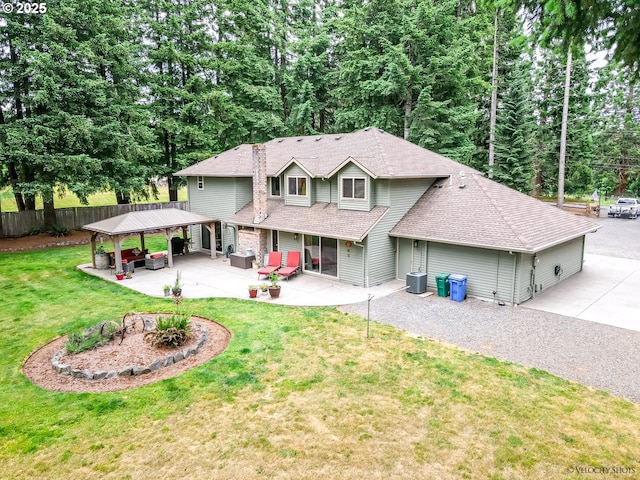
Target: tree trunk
49 209
563 132
123 198
494 98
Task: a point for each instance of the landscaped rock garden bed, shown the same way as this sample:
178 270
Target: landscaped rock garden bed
127 362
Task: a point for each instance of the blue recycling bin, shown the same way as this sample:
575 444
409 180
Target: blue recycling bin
458 287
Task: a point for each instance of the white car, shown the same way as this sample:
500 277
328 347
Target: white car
625 208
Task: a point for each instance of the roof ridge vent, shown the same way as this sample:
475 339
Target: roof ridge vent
338 137
367 129
237 148
318 139
299 139
280 140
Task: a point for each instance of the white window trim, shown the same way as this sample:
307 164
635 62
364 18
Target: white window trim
353 198
296 194
271 187
200 182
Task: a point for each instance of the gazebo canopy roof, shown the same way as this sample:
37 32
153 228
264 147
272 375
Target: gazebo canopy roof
147 221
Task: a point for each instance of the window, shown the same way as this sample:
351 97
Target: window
297 186
275 186
200 181
353 188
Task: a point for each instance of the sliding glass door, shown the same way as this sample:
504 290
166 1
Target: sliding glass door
321 255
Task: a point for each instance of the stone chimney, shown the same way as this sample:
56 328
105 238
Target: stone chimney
259 183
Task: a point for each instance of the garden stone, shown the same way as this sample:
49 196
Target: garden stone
140 370
168 360
177 357
100 375
125 372
155 365
112 374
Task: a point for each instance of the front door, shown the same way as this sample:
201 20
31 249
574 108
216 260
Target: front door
405 247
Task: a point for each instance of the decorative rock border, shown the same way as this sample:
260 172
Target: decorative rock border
131 370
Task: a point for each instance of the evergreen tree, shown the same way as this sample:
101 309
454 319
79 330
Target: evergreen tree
515 125
183 105
617 137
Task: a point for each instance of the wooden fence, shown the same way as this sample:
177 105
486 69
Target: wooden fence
587 209
17 224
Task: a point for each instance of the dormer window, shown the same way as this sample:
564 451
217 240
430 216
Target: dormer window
200 182
353 188
297 186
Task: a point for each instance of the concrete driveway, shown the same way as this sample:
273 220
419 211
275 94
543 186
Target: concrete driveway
608 288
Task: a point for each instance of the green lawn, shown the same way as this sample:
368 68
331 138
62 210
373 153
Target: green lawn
300 393
96 200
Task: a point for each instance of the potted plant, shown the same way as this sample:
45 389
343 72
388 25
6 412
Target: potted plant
119 274
274 288
167 290
177 287
102 258
253 291
264 287
128 275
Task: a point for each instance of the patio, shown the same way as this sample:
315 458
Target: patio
204 277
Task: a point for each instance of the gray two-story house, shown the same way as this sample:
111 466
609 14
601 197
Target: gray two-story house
368 207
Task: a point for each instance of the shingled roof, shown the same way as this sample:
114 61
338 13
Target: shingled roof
380 153
147 221
323 219
487 214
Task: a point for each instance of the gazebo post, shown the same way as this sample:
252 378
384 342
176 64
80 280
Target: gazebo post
167 233
184 237
142 241
212 239
117 252
93 249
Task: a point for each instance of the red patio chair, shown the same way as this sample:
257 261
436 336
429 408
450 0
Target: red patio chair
275 261
293 265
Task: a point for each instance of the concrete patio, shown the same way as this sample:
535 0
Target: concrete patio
204 277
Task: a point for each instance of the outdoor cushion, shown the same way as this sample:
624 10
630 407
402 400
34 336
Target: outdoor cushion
293 264
275 260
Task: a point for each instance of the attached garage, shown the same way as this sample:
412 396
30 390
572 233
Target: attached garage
509 245
493 274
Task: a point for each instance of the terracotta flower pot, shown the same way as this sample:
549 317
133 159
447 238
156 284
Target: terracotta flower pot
253 293
274 292
119 276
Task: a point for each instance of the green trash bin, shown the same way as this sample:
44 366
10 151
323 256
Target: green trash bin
442 282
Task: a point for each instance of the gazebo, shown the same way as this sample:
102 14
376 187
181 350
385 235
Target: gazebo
166 220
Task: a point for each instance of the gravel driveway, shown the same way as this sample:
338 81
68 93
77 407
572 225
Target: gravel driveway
596 355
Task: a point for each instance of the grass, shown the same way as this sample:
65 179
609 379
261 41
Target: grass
300 393
67 199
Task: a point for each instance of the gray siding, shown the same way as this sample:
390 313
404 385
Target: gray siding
366 204
381 248
221 198
487 270
382 191
568 257
288 243
322 190
524 277
351 268
300 201
244 192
